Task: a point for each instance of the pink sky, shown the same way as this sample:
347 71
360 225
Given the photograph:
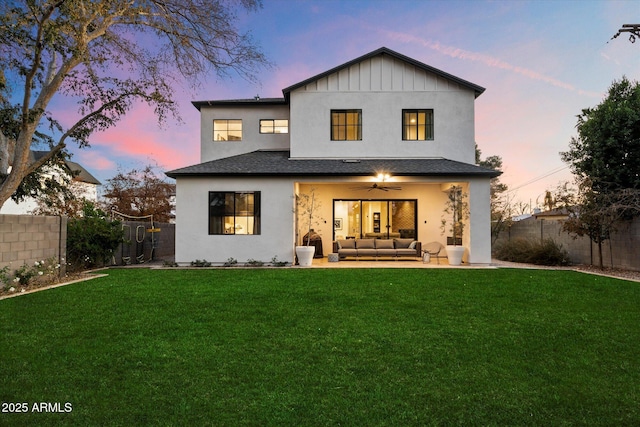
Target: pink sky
541 63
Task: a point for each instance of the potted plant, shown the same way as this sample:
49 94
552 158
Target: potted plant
307 205
455 213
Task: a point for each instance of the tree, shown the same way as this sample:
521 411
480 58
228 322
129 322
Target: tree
90 52
604 158
140 193
596 214
92 239
68 202
501 211
607 148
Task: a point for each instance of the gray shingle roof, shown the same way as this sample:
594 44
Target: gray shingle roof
278 163
83 174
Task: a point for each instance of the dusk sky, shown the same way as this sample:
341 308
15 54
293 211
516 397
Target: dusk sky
541 63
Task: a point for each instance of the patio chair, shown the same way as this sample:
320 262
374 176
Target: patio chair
433 249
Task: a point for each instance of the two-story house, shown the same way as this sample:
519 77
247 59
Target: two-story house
85 186
379 140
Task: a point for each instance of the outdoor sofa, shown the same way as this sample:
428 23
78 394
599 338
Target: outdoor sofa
377 248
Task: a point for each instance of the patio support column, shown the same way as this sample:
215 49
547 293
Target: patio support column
479 221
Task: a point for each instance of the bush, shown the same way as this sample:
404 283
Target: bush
200 263
547 252
92 239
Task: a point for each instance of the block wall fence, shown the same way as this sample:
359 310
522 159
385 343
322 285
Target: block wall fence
25 239
622 251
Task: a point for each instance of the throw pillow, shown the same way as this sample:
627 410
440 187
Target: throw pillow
384 244
346 244
403 243
365 244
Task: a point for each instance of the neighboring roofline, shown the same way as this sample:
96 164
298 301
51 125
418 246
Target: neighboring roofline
239 102
386 51
83 174
272 163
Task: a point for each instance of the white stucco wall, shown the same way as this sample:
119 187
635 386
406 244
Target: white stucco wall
192 221
252 139
479 235
382 87
278 236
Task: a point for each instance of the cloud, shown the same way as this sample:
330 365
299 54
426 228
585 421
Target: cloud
487 60
138 136
94 160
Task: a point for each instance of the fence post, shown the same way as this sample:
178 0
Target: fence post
62 251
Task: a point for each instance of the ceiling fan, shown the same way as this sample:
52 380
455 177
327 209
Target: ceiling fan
378 186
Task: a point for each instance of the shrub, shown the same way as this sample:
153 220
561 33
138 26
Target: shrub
277 263
200 263
92 239
230 262
546 252
42 271
5 279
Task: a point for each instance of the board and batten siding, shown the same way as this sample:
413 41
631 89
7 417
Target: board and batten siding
381 73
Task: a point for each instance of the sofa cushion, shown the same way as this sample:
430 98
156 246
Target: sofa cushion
386 252
365 243
403 243
367 252
384 244
347 252
346 244
406 252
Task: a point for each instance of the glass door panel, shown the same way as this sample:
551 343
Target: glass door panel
346 219
403 218
375 219
380 219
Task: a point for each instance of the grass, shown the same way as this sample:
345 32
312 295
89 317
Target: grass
273 347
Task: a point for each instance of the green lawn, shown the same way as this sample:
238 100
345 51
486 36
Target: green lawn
296 347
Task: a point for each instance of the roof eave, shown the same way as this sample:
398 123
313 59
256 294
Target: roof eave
177 174
239 102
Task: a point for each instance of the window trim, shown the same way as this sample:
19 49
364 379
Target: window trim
429 127
237 213
346 126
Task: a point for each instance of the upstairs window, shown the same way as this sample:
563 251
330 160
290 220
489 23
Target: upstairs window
346 125
233 212
274 126
227 130
417 125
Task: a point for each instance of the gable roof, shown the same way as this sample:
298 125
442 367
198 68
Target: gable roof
278 163
83 174
386 51
478 90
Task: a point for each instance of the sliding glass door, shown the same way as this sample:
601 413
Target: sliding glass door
379 219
